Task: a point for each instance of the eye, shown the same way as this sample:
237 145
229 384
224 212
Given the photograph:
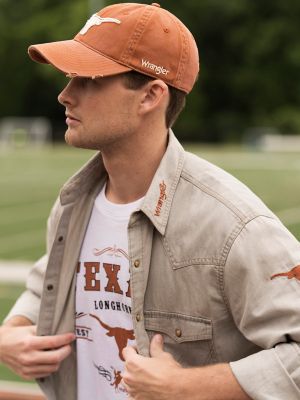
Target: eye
89 81
81 81
84 81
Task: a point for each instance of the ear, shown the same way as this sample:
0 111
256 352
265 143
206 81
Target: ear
155 96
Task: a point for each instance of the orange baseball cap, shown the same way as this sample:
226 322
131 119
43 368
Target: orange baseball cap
125 37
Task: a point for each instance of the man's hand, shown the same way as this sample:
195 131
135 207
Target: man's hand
32 356
162 378
151 378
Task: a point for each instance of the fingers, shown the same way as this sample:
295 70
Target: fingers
40 364
129 391
55 356
25 353
128 352
53 342
157 346
124 384
37 371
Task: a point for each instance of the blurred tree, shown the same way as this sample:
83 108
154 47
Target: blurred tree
250 63
249 52
28 88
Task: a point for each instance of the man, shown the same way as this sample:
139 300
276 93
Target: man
181 283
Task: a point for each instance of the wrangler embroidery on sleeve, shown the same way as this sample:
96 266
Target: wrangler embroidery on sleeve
293 273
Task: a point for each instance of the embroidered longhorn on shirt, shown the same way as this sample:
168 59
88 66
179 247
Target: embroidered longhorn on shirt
121 335
97 20
293 273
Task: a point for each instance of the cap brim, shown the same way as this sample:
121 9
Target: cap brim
74 59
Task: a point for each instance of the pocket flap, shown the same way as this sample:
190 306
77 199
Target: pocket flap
180 327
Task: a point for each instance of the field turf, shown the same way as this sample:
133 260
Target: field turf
30 181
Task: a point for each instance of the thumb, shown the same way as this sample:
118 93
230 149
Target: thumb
157 346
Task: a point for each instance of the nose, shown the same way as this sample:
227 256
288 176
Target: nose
67 96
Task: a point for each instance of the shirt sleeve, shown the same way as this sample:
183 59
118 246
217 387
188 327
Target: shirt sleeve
28 304
262 289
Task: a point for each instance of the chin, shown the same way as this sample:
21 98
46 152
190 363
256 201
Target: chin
68 138
73 140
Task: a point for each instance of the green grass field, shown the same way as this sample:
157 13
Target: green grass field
30 181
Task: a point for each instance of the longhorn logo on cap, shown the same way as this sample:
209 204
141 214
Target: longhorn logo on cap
97 20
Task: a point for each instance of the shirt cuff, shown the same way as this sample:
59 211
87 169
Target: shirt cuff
263 376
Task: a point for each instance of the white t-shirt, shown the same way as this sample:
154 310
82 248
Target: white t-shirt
103 301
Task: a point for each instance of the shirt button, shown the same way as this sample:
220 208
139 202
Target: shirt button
61 238
50 287
178 332
138 317
136 263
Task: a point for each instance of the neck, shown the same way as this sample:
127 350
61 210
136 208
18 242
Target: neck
132 165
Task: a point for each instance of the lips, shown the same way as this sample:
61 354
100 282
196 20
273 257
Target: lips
71 120
72 117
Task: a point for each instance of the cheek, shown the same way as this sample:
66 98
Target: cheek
110 114
128 107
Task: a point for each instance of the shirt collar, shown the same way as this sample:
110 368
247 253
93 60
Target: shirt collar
91 176
159 197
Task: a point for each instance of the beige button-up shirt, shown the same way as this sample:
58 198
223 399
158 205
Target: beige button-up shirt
205 254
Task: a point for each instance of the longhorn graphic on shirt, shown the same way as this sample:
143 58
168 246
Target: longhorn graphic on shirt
111 251
293 273
121 335
118 379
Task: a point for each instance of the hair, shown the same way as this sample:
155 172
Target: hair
135 80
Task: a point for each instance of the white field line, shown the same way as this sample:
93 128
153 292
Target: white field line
14 272
20 387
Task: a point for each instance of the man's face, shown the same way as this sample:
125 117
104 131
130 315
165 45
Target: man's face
100 112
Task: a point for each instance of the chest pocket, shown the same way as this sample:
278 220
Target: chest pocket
189 339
